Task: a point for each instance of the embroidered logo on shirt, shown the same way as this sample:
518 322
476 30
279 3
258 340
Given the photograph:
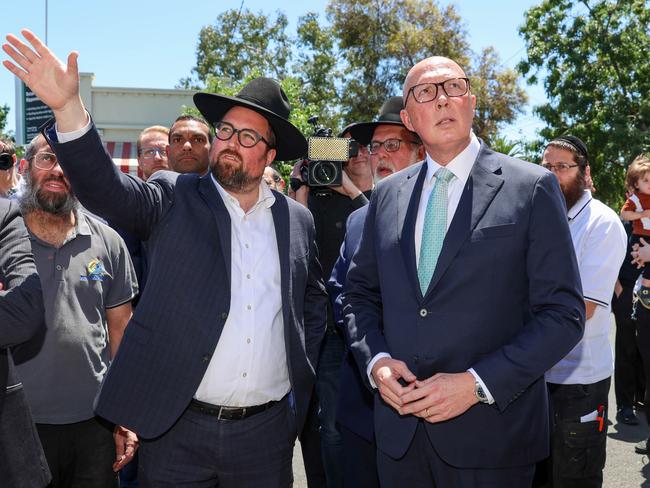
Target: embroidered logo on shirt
94 271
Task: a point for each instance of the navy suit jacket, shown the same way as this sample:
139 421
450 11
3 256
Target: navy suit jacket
505 299
22 316
168 344
355 401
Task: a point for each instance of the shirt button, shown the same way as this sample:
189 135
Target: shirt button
59 267
246 246
248 276
248 341
244 375
248 307
423 312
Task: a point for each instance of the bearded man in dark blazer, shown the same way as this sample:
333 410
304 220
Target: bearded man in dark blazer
216 368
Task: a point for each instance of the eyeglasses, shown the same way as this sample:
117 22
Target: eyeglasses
44 160
150 152
427 92
390 145
559 167
246 137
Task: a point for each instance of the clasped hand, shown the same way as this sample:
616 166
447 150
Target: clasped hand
435 399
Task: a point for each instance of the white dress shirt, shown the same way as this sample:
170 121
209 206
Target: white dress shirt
249 364
600 244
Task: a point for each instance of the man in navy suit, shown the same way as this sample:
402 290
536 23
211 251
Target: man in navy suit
22 462
463 292
392 148
216 368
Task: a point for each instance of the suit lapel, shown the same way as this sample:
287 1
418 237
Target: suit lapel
482 185
280 213
216 204
408 200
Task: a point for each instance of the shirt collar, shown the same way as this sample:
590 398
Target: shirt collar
580 205
461 165
82 228
265 196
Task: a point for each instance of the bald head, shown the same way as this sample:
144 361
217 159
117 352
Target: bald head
441 109
429 64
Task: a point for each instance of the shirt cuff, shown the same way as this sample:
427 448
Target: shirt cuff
74 135
372 363
485 388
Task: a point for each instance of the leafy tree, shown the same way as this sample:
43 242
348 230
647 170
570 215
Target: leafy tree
238 42
4 112
594 56
317 67
498 97
381 41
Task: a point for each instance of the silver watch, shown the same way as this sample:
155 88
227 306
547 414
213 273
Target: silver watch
480 394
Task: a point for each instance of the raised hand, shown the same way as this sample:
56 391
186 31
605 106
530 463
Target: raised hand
56 84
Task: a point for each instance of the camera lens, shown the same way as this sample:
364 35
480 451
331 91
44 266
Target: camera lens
6 161
325 172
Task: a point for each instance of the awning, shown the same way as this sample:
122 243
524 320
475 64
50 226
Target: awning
124 156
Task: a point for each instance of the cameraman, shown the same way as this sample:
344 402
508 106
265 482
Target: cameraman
9 178
331 207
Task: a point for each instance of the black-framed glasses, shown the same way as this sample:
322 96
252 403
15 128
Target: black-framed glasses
390 145
150 152
559 167
44 160
246 137
428 92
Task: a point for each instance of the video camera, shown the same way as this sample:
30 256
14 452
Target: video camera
326 156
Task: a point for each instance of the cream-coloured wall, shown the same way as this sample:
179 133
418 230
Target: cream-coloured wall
121 113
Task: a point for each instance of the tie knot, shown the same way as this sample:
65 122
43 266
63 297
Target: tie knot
444 174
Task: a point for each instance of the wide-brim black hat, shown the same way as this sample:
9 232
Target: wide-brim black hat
266 97
388 115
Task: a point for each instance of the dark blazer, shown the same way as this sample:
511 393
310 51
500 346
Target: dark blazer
168 344
22 463
505 299
355 401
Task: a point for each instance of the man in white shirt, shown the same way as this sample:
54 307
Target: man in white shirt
215 371
579 383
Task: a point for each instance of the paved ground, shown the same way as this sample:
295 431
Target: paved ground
624 468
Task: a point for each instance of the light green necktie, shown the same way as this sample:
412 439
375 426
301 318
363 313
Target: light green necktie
434 228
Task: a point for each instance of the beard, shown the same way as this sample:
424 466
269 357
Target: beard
383 164
231 175
574 190
35 198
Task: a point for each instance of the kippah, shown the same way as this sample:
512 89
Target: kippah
577 144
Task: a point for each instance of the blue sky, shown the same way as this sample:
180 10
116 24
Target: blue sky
152 44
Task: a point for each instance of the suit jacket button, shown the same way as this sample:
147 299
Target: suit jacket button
423 312
224 316
206 358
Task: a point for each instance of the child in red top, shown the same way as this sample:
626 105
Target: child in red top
637 210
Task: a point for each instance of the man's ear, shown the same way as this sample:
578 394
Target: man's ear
404 115
23 166
270 156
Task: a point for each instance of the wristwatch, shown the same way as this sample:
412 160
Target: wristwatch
480 394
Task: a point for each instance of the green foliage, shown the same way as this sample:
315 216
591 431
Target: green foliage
345 69
4 112
595 58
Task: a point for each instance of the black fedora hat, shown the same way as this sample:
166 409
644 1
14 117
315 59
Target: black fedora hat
388 115
266 97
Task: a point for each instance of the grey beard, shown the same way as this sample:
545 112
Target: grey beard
32 199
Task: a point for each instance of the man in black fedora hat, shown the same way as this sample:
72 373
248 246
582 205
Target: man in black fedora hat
216 367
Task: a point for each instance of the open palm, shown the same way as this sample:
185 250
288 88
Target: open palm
56 84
